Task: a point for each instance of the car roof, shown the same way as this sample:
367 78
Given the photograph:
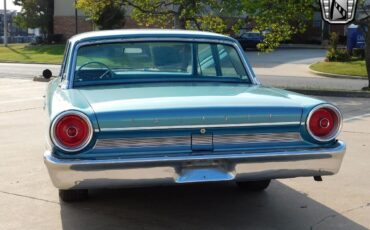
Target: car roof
146 33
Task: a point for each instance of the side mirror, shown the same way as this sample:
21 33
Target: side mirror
47 73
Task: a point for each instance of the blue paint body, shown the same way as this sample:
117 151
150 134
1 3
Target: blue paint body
115 111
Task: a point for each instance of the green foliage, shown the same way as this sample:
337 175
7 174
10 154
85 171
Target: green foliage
339 55
280 20
36 14
335 54
359 53
333 41
207 15
106 14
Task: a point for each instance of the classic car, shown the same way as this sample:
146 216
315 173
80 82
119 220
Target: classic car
159 107
249 40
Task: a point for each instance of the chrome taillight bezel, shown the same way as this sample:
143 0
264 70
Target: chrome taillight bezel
336 130
55 140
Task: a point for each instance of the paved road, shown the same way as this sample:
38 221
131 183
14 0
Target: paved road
289 68
282 68
29 201
15 70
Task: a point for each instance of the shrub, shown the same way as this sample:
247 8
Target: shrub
333 41
335 54
357 52
340 55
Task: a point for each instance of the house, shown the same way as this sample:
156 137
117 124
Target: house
68 21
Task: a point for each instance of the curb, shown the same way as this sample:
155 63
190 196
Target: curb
20 62
335 75
331 93
302 46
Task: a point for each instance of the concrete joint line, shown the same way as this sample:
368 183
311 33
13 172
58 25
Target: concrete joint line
29 197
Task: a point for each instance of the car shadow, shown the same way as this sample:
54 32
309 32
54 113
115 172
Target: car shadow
203 206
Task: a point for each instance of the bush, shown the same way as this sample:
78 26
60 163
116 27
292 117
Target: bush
357 52
340 55
55 39
333 41
335 54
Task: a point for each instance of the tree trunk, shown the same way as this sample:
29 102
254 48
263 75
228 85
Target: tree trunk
179 23
367 52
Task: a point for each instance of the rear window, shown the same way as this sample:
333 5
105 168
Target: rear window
101 63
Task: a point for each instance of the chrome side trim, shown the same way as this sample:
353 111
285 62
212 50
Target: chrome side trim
199 126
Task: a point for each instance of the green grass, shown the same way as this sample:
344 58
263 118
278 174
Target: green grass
351 68
25 53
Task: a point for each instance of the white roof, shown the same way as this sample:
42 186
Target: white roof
128 32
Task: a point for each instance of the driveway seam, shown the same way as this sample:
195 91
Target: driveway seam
325 218
29 197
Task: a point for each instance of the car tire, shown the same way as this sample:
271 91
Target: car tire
73 195
253 185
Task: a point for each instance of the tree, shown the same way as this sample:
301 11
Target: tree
207 15
107 14
363 20
36 14
279 20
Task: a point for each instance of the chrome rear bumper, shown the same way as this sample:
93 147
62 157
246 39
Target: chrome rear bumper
79 174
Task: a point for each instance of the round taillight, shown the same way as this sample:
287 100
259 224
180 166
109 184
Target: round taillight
324 122
71 131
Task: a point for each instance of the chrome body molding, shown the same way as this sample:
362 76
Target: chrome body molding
149 142
199 126
239 166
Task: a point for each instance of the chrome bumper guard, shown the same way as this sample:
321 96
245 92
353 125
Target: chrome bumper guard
109 173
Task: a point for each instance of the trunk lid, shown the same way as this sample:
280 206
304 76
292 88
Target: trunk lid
186 119
140 107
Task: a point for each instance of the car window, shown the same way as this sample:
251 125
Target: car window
251 35
156 60
219 60
206 62
65 62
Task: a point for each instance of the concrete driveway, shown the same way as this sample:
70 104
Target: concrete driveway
29 201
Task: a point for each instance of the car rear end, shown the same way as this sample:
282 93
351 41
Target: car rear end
175 146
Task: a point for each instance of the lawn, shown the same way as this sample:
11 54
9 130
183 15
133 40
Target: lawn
351 68
25 53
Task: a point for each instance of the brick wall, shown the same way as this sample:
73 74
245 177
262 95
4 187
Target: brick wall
66 25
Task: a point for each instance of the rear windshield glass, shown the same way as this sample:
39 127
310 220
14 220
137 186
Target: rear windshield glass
116 62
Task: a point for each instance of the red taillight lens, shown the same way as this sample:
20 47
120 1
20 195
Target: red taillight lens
324 123
71 132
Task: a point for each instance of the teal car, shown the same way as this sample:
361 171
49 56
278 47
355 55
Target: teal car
158 107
